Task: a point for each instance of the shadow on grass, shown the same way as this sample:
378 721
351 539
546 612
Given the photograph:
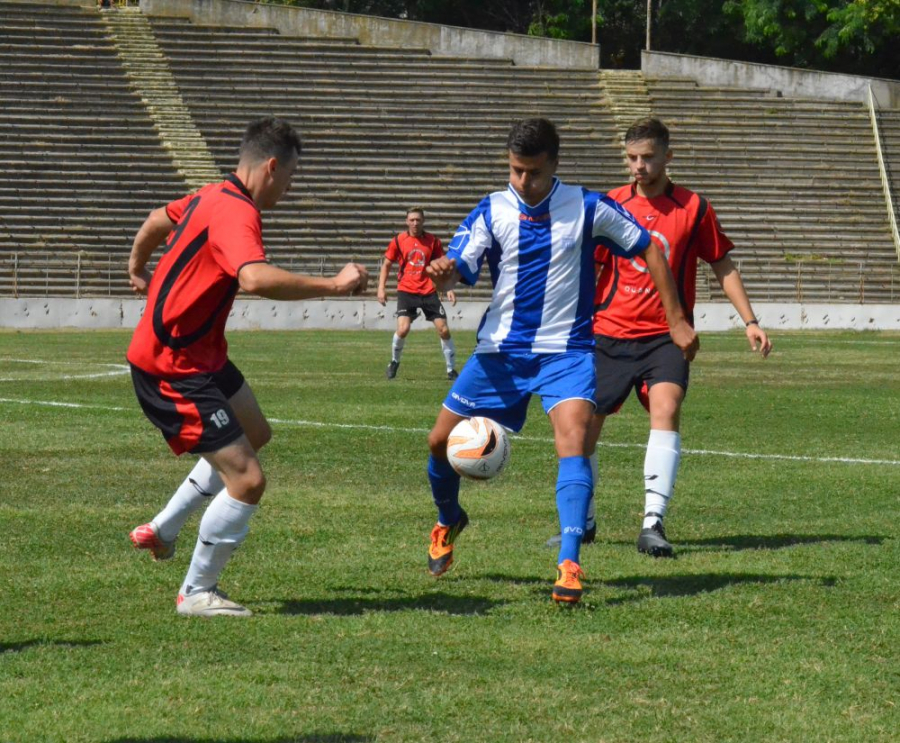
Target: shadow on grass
769 542
311 738
439 602
692 585
18 647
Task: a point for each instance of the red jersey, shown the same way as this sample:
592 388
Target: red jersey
218 230
413 254
684 226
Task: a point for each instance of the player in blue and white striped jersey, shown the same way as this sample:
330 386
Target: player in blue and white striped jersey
538 237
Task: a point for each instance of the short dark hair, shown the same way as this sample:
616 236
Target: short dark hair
418 209
531 137
270 137
648 128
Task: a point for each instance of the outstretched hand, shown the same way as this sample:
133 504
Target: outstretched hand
352 279
442 271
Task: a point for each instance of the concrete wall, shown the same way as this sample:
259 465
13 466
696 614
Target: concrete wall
789 81
370 30
367 314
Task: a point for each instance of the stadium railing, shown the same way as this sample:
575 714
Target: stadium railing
882 169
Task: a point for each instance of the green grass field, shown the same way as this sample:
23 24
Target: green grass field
779 621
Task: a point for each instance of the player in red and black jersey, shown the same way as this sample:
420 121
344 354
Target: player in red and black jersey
413 250
183 378
634 350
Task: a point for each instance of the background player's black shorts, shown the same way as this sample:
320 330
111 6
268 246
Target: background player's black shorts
192 413
626 365
408 305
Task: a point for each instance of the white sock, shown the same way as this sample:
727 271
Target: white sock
595 476
449 350
198 488
222 529
660 471
397 348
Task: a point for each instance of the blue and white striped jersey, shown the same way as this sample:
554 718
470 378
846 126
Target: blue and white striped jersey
541 260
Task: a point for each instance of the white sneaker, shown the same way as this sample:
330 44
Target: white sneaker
211 603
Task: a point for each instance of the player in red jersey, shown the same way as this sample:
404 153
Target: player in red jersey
634 349
413 250
184 381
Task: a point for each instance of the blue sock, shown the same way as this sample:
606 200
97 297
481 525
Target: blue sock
444 489
573 493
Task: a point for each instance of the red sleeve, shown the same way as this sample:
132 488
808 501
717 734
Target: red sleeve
235 237
438 249
393 253
713 243
176 208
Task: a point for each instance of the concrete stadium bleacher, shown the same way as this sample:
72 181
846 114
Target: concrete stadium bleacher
794 181
795 184
383 129
84 164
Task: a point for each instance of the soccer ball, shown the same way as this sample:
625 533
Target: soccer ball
478 448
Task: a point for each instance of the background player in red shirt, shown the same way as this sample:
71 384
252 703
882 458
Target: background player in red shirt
184 381
413 250
634 349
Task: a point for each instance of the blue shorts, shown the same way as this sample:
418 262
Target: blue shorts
500 385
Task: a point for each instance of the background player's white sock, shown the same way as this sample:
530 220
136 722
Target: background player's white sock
660 471
222 529
397 348
198 488
449 350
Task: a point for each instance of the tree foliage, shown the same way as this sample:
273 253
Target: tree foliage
854 36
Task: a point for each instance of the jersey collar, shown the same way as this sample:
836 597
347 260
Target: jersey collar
236 182
670 189
541 208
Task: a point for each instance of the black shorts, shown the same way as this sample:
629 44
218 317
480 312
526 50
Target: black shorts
408 305
626 365
192 413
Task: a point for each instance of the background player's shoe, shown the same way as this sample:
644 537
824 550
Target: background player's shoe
440 554
392 369
452 374
652 541
146 537
211 603
590 534
567 588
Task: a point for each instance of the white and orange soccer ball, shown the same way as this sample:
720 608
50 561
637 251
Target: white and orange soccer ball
478 448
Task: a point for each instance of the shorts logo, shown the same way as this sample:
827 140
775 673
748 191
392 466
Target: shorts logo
460 399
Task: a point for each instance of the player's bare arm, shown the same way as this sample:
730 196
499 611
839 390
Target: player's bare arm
730 280
271 282
451 297
683 335
149 236
381 296
443 273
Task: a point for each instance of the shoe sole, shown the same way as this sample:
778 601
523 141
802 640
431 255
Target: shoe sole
152 549
566 595
656 550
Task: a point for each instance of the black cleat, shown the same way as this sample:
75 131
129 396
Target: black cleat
392 369
590 534
452 374
653 542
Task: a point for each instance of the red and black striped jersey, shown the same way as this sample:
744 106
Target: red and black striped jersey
218 230
413 254
684 226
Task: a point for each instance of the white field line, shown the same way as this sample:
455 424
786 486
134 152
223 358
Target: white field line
118 370
394 429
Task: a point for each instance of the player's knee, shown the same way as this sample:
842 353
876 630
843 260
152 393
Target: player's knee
437 443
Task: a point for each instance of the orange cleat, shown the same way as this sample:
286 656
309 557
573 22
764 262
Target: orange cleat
567 588
440 554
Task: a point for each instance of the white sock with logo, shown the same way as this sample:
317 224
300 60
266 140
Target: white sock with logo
660 471
222 529
449 350
198 488
397 348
